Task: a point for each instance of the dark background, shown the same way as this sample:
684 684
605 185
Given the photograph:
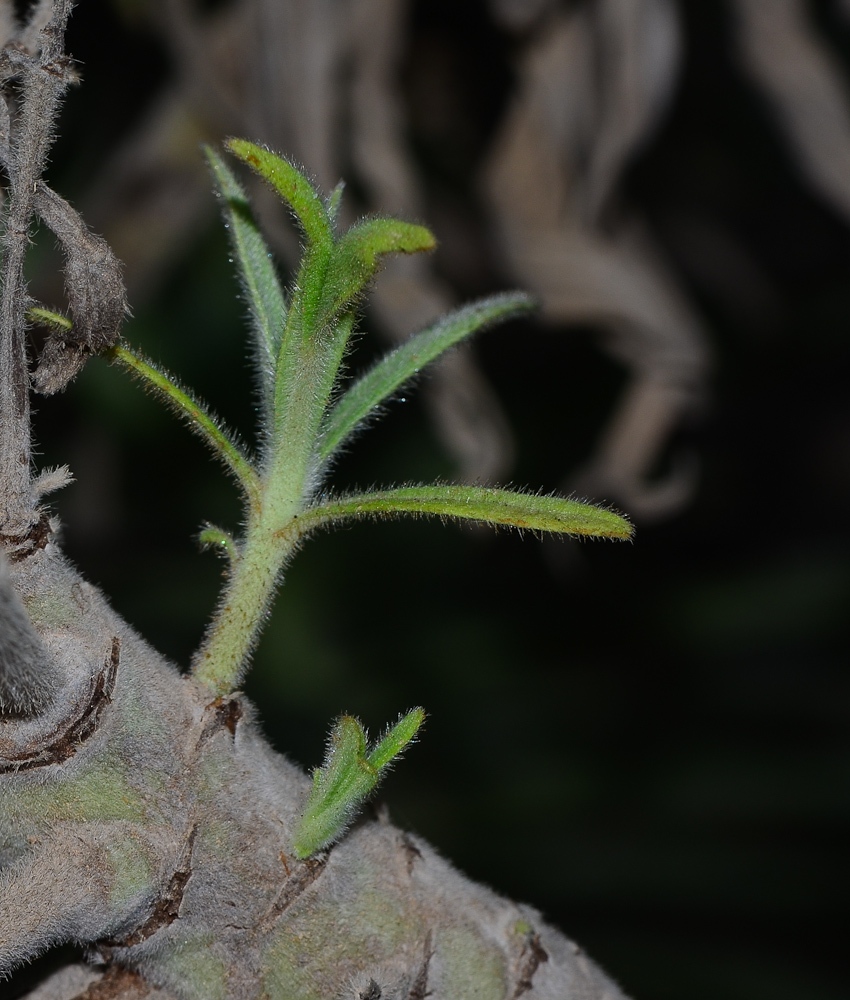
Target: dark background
649 742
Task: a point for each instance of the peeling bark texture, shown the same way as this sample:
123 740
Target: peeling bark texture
162 840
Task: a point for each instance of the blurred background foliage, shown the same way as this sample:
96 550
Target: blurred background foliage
649 742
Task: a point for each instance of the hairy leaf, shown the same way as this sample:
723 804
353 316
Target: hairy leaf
397 738
402 364
212 537
357 257
334 201
527 511
257 272
292 185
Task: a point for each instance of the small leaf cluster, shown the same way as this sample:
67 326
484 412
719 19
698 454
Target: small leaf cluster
348 776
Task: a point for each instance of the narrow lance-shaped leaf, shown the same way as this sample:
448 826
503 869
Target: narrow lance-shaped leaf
397 738
257 272
291 185
312 214
196 416
403 363
527 511
357 257
347 777
333 202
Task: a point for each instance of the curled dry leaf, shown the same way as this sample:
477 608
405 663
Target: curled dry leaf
95 289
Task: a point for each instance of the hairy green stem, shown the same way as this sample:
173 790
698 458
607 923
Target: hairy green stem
222 659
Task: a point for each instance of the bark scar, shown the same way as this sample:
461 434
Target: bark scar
533 955
63 744
223 713
419 990
116 984
228 712
167 908
411 851
19 547
294 886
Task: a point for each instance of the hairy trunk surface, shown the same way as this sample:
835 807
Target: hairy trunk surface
155 825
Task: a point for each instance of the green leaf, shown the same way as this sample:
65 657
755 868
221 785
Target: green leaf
334 201
304 322
402 364
197 417
357 257
397 738
347 777
526 511
291 184
219 540
256 270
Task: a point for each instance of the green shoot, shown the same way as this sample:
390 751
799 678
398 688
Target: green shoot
222 541
301 337
347 778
